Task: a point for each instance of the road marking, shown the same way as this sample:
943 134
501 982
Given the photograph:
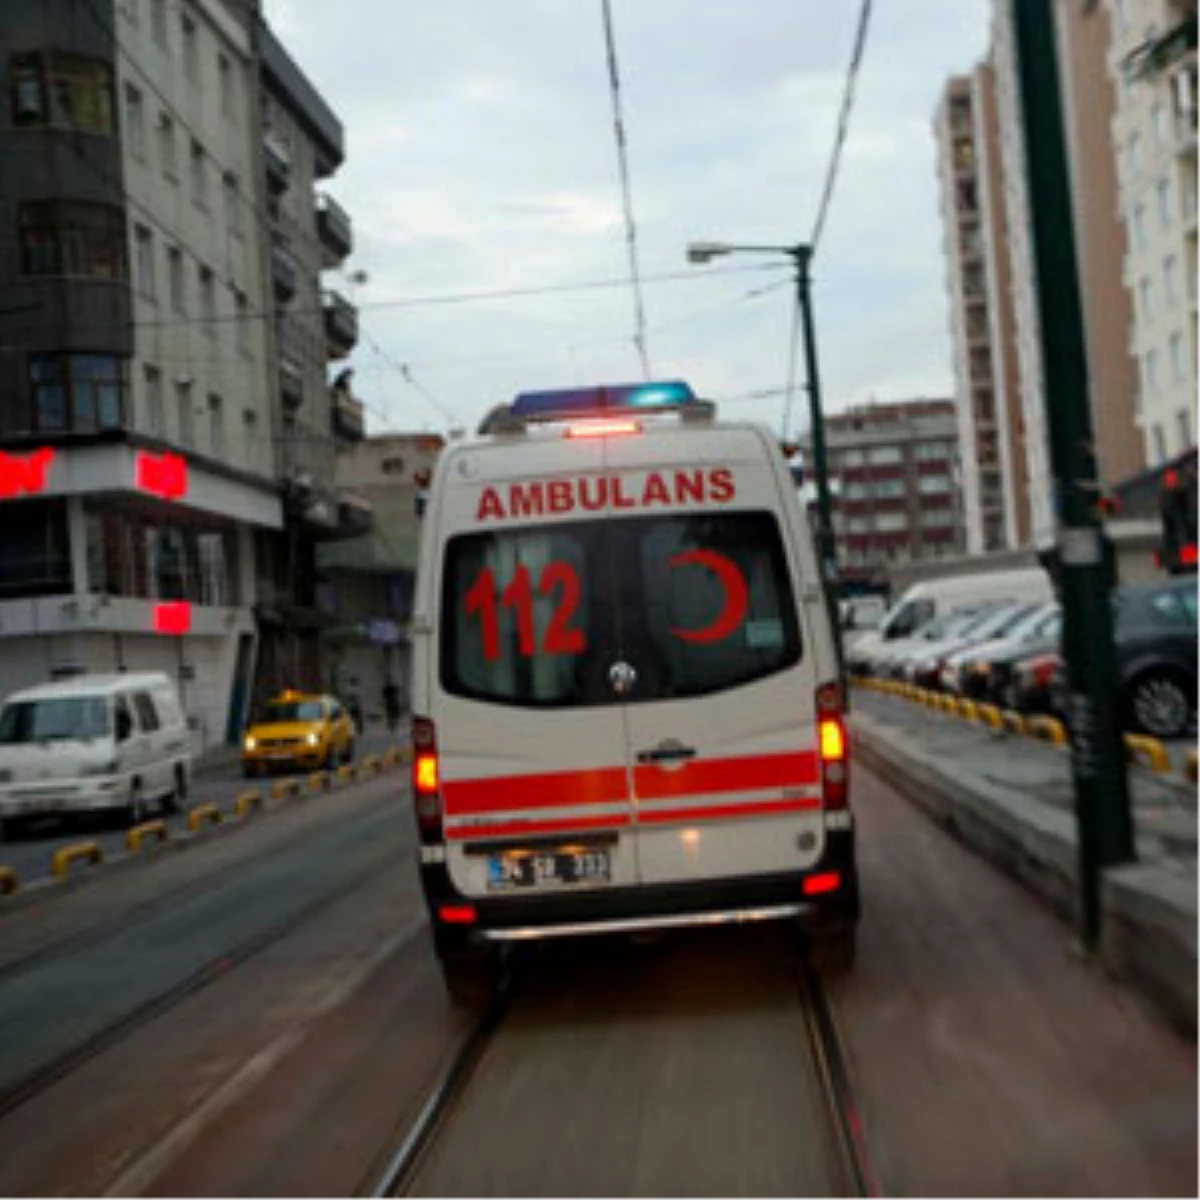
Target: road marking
148 1166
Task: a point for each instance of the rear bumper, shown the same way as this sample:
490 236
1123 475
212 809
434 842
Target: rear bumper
654 906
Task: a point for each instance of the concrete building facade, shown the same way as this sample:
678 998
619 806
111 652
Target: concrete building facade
895 474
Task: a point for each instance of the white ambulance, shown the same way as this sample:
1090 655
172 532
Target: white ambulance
627 713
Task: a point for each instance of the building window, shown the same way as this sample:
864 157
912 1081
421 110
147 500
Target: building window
885 456
144 261
191 54
933 485
852 458
1150 372
891 522
70 238
1146 301
852 491
208 302
62 91
175 280
1165 207
35 555
1179 364
199 177
1160 443
1139 227
1135 155
216 426
242 325
889 489
158 22
228 88
166 147
1171 279
1183 420
1160 120
233 205
937 518
77 393
183 404
154 401
135 122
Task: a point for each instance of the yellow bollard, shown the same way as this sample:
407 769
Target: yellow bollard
203 814
1014 722
60 864
139 833
369 764
1149 749
346 774
968 709
317 781
10 884
281 789
1048 729
246 803
992 715
391 756
1189 766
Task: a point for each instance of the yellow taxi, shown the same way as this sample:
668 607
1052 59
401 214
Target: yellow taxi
298 730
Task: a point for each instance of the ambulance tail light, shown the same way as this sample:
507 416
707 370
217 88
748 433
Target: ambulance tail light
427 794
832 747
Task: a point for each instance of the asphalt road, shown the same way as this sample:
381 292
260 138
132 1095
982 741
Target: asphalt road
263 1015
31 852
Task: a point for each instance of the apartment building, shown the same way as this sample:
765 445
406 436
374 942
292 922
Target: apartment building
895 475
137 463
313 328
368 580
990 430
1152 61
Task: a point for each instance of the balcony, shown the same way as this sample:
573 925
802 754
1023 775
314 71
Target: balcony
334 230
347 417
291 384
285 274
341 325
277 158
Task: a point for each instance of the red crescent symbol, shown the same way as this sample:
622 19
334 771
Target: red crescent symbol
737 598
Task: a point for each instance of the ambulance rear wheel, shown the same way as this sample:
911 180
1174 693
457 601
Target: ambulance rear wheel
832 951
470 977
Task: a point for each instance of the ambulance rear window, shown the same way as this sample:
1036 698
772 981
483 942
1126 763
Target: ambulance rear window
539 615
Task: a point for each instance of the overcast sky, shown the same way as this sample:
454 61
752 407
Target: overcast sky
481 157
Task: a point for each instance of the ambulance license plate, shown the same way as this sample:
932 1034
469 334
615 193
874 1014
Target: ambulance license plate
522 869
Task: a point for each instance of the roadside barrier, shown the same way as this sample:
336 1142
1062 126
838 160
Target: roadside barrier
993 715
60 864
318 781
203 814
968 709
1049 729
281 789
246 803
10 883
370 764
347 773
392 756
139 833
1139 748
1189 766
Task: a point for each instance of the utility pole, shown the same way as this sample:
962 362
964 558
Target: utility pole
1103 821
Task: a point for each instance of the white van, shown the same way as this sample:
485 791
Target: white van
936 597
625 686
94 742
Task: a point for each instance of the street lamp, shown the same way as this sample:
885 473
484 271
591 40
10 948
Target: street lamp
699 253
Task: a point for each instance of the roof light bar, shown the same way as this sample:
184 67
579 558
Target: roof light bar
602 398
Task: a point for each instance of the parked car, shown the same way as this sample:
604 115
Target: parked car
1028 689
927 671
890 662
982 672
1155 636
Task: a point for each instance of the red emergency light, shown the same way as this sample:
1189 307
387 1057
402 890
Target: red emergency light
164 475
24 474
1187 554
173 616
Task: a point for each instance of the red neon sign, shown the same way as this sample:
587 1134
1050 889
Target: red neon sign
173 616
24 474
164 475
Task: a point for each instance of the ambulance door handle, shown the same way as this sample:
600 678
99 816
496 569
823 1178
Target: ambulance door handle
668 751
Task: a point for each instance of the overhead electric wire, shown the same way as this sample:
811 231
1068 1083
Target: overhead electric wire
614 86
843 125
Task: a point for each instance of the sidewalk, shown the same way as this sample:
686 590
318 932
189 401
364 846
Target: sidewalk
1011 800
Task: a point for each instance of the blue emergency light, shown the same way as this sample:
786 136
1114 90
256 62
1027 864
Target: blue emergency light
606 398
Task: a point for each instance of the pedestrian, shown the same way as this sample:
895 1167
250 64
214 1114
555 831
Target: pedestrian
391 704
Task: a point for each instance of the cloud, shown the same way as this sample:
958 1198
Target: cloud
481 157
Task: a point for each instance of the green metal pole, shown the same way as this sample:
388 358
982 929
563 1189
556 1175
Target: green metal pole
1105 828
826 544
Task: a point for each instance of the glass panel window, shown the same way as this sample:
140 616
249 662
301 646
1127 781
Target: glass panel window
1179 364
1150 372
62 719
35 556
242 325
1165 205
1146 301
199 176
227 83
62 91
183 403
82 393
214 575
933 485
1139 227
144 259
135 122
71 238
535 617
216 426
884 456
154 401
233 205
1171 279
175 279
166 147
191 53
208 301
891 522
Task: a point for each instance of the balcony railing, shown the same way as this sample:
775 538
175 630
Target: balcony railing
277 158
334 229
284 273
347 416
341 325
291 384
